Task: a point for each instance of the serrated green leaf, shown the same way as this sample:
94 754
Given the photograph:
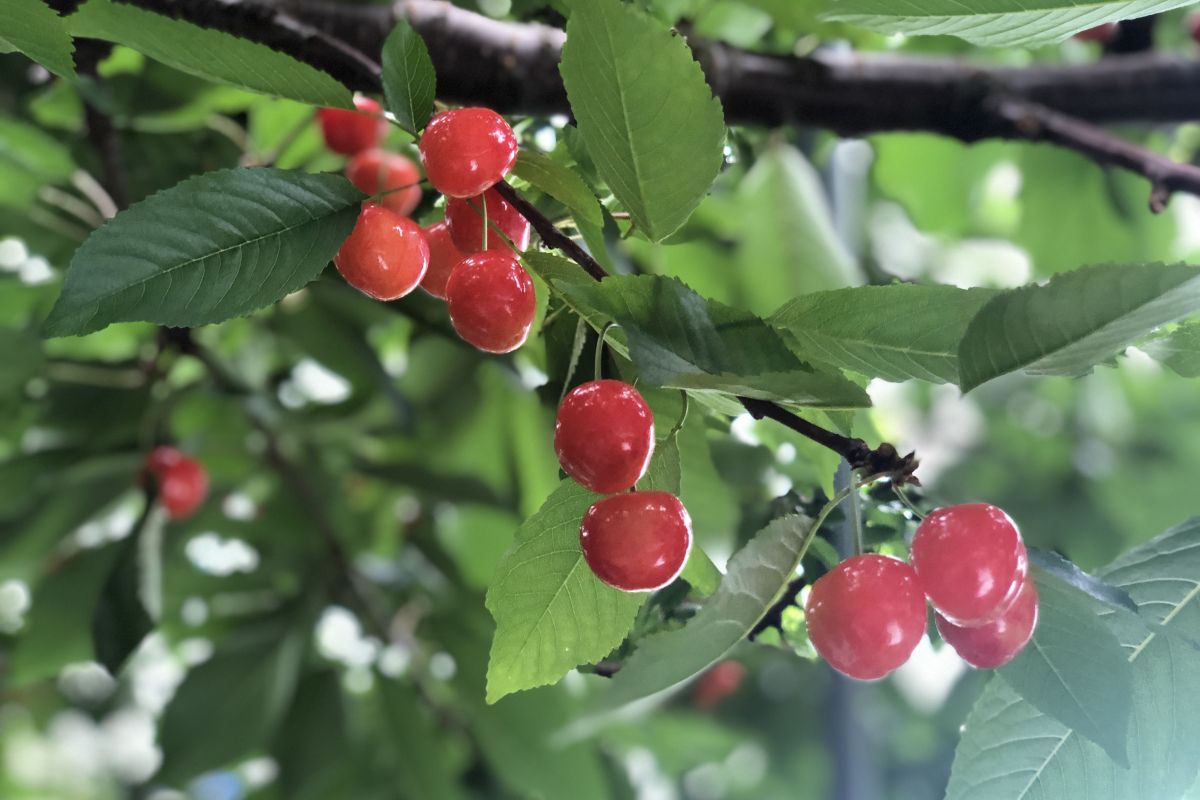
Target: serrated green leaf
561 183
893 332
31 27
1074 669
647 116
209 54
216 246
757 574
1011 751
409 82
551 612
1075 321
994 23
1178 349
681 340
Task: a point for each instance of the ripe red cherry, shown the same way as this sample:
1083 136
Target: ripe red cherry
866 616
443 258
467 150
604 435
638 541
182 487
374 171
1103 34
722 680
349 132
491 301
994 644
386 254
971 562
465 218
1193 26
163 458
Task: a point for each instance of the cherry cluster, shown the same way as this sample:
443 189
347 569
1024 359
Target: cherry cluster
867 615
604 437
182 481
465 153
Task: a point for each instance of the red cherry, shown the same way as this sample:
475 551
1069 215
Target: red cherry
638 541
971 562
443 258
374 171
467 150
1103 34
604 435
386 254
465 218
349 132
1193 26
995 643
866 616
720 681
491 301
183 487
163 458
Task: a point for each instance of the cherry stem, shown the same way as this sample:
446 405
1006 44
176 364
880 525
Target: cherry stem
599 363
483 202
906 501
682 416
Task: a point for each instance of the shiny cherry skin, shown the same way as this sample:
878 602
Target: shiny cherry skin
467 150
443 258
995 643
719 682
386 255
183 487
866 616
604 435
637 541
374 171
465 218
491 301
1102 34
349 132
971 562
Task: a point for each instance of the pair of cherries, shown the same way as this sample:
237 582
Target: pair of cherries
867 615
182 481
604 437
465 152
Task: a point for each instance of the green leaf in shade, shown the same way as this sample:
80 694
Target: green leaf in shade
1050 562
1075 321
254 673
995 23
31 27
681 340
701 572
209 54
560 182
648 119
551 612
29 160
424 764
216 246
892 332
1012 751
23 360
757 574
409 82
1178 349
1074 669
788 245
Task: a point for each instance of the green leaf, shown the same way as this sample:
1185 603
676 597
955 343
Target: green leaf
209 54
424 765
701 572
757 574
1067 571
561 183
121 618
1011 751
995 23
31 27
1178 349
1075 321
648 119
409 82
551 612
216 246
29 160
892 332
1074 669
23 360
787 242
